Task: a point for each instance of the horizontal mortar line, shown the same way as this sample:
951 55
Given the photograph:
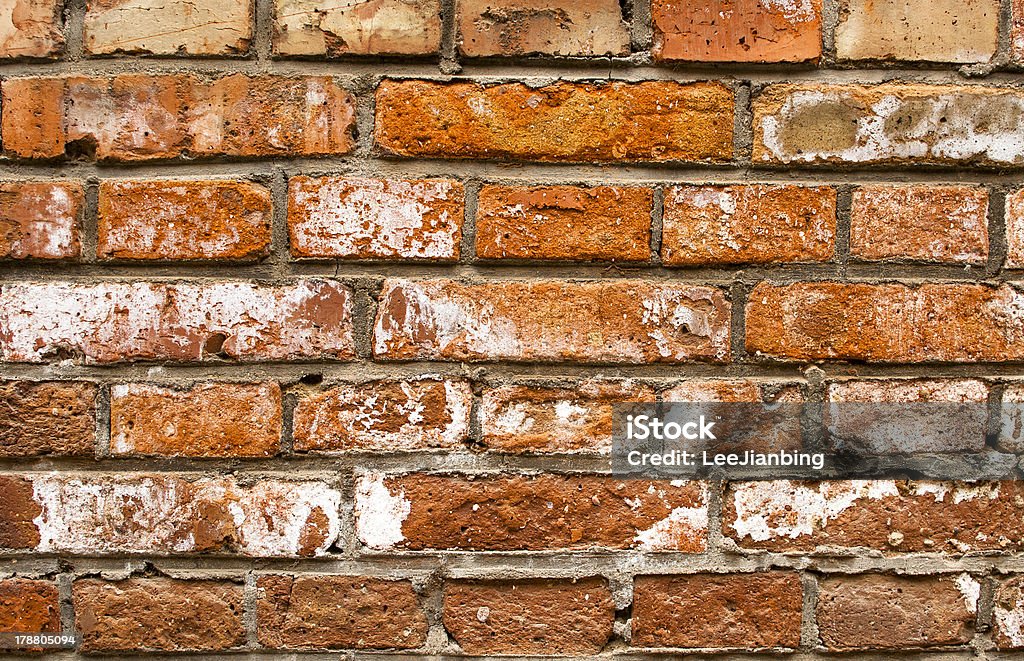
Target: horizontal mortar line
491 374
518 172
494 272
590 69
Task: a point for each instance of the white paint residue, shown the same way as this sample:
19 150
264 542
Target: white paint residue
799 11
379 513
272 516
1010 621
680 523
970 589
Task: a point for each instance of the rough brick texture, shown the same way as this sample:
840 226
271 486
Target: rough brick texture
718 610
738 31
943 31
167 27
620 322
180 321
29 606
168 220
330 612
158 614
40 220
920 223
564 223
650 121
505 513
242 420
529 617
891 612
47 417
542 27
133 117
384 416
30 29
707 225
375 27
1014 218
375 219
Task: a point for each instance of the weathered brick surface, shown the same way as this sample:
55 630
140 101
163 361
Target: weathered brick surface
885 322
718 610
920 223
544 27
47 417
941 415
136 117
529 617
710 225
375 218
330 612
1011 414
740 31
564 223
384 416
881 514
158 614
169 27
943 31
1014 218
166 513
527 419
30 28
892 123
1017 30
597 322
183 220
40 220
29 606
649 121
239 420
1007 613
875 611
374 27
516 512
181 321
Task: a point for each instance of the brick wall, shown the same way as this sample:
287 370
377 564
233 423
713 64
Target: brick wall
312 315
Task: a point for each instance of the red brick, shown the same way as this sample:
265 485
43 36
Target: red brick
31 28
920 223
960 31
891 123
166 27
338 217
940 416
886 322
1014 218
29 606
40 220
17 511
541 27
166 513
538 420
32 120
875 611
1017 30
564 223
183 220
718 610
1008 613
372 27
385 416
565 617
627 321
711 225
1011 433
181 321
737 31
571 122
886 515
158 614
529 512
47 417
330 612
238 420
135 117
